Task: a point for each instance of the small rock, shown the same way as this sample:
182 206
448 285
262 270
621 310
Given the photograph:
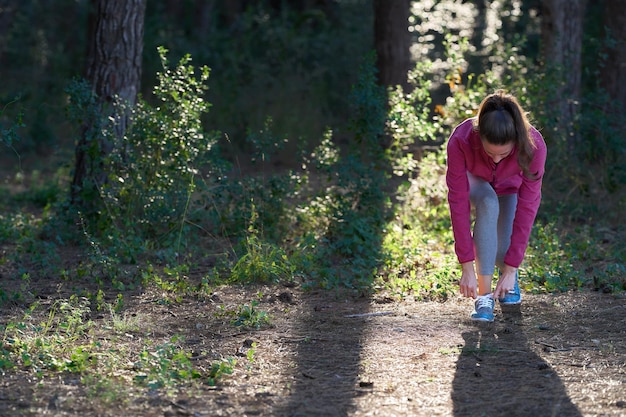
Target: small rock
245 346
621 404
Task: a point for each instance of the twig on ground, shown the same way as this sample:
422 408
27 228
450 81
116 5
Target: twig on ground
380 313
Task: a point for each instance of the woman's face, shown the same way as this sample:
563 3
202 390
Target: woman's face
498 152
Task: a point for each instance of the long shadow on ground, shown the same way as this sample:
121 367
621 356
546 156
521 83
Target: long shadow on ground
328 362
498 374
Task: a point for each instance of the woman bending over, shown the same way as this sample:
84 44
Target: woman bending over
496 163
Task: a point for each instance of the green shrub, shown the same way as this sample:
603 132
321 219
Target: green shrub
261 262
9 134
156 166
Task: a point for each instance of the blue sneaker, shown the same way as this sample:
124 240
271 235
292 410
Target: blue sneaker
512 297
483 308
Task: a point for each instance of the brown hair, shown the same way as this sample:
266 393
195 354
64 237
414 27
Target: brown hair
502 120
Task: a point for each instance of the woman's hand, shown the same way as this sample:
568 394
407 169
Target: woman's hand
506 281
468 285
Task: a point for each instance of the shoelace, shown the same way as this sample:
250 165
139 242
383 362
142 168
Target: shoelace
484 301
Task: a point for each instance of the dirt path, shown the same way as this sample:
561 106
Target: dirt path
562 355
557 355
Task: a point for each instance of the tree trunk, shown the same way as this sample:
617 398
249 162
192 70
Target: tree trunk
392 41
114 71
7 19
613 73
562 32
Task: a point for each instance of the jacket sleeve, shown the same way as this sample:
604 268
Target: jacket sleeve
459 200
528 201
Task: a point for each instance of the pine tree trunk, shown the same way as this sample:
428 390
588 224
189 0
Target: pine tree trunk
392 41
613 73
113 69
562 32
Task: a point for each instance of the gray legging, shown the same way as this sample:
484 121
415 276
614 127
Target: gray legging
493 224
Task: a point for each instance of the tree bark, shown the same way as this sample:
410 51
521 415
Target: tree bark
613 73
113 69
392 41
7 18
562 33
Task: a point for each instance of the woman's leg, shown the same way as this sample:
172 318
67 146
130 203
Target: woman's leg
508 204
485 201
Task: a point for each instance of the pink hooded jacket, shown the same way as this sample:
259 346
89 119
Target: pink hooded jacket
466 154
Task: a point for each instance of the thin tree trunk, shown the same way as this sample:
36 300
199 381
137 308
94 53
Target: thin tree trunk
7 19
114 71
392 41
562 33
613 73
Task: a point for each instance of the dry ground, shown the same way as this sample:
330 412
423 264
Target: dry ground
333 354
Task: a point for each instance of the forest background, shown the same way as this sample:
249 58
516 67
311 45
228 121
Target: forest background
283 142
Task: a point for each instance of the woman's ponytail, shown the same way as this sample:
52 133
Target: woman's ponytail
502 120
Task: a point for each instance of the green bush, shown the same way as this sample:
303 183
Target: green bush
165 154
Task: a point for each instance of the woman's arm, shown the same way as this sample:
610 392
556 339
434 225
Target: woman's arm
528 201
459 200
